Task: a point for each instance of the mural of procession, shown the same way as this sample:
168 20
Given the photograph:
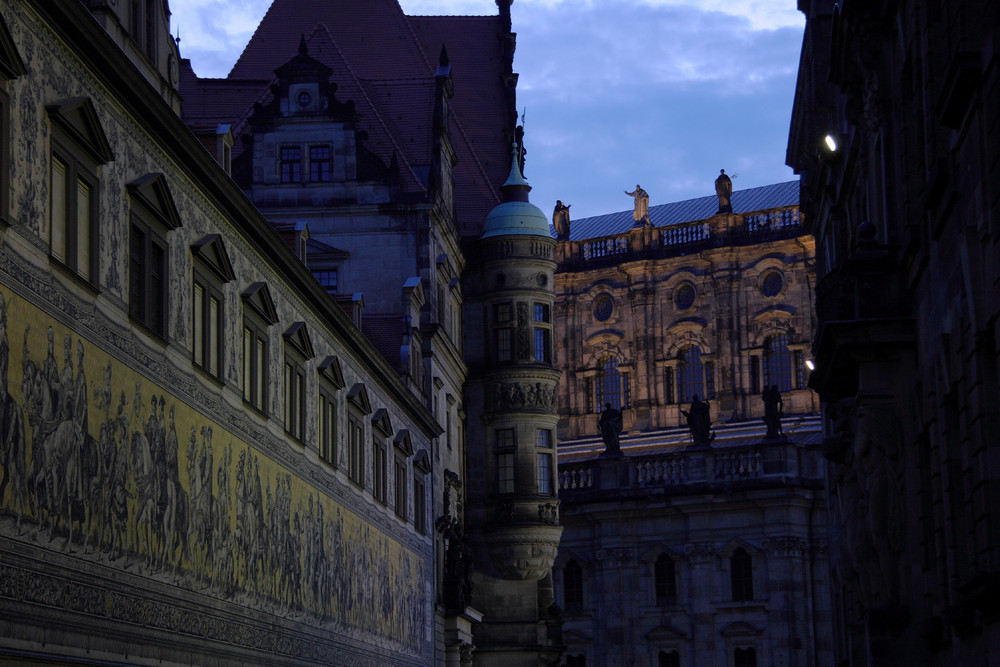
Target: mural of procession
125 475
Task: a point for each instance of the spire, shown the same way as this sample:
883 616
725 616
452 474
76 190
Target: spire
303 49
515 188
444 64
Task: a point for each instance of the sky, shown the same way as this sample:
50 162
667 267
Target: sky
661 93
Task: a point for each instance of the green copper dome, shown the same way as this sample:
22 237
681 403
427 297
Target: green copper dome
516 215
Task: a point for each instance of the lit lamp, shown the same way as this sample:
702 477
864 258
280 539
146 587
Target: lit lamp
831 143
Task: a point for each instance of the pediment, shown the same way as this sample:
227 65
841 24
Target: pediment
781 313
687 324
11 65
734 544
152 192
330 369
258 298
654 552
358 397
403 443
297 336
212 252
665 633
380 421
741 629
422 461
77 118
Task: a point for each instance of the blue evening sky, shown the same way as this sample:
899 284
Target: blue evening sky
662 93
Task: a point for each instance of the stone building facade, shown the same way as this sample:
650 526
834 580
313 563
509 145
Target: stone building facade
895 134
676 550
203 460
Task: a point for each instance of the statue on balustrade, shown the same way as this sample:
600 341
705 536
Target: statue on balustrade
560 220
610 424
773 411
641 211
699 421
724 189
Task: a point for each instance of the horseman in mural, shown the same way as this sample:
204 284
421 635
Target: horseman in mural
11 428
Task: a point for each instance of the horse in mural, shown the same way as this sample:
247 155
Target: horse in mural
141 470
249 519
12 453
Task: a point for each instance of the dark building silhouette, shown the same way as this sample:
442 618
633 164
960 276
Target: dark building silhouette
896 137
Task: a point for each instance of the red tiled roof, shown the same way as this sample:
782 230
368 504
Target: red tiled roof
383 61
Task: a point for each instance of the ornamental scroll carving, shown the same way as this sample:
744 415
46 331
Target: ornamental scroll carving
523 395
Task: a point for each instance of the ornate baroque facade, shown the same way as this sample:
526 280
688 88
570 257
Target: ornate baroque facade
895 134
676 552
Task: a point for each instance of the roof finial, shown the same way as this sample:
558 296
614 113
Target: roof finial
443 58
303 49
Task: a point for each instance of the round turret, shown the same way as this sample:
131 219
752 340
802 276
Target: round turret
516 215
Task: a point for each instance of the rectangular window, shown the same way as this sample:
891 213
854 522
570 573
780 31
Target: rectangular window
501 312
545 474
400 486
502 344
419 506
73 209
543 345
327 426
589 394
668 385
505 473
294 386
328 279
147 278
356 451
709 380
755 374
378 469
207 315
544 438
542 312
254 364
291 164
319 164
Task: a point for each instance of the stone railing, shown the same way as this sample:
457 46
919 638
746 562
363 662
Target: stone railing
608 246
768 222
577 477
737 465
686 234
661 470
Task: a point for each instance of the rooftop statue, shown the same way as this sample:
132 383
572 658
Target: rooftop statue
610 424
699 421
641 211
724 189
560 220
773 411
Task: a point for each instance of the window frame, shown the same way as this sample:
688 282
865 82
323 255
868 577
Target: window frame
79 170
255 376
573 587
289 168
690 374
315 163
149 299
297 351
541 314
741 575
505 459
777 363
665 580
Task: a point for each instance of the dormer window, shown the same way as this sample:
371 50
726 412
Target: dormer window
291 164
319 162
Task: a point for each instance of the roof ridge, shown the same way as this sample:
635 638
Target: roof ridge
371 103
475 155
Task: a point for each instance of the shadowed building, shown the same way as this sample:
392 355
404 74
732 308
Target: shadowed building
703 540
895 134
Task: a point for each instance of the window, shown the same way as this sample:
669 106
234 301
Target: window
609 384
258 314
378 468
504 444
330 381
327 424
745 657
319 164
741 574
298 349
665 580
291 164
328 279
543 333
355 450
401 482
545 474
755 374
148 277
573 586
669 659
691 374
777 363
73 210
668 385
212 269
419 506
502 335
544 438
709 380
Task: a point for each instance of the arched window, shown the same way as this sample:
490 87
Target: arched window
691 374
573 586
741 573
611 386
665 580
777 363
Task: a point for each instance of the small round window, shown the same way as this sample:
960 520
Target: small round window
604 305
684 297
772 283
